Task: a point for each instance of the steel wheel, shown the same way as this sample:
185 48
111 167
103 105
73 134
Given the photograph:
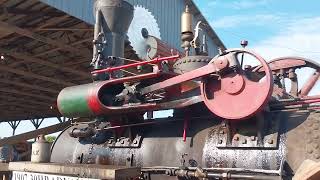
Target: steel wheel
286 69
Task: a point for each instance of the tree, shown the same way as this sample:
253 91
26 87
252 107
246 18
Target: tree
51 139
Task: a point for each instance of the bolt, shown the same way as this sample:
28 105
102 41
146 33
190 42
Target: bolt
244 43
244 141
247 67
270 141
224 124
122 142
169 172
253 138
236 137
110 142
220 141
135 141
139 68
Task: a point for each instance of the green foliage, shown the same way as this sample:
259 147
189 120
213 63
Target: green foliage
51 139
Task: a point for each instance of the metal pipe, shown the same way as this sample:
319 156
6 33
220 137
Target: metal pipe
154 61
305 100
241 176
224 173
97 29
310 84
238 170
151 122
298 99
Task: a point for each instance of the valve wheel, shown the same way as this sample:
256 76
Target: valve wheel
237 95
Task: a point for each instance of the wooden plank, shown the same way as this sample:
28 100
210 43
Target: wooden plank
30 86
12 91
16 116
24 106
56 49
36 76
20 115
4 167
22 100
53 21
65 29
30 59
32 134
35 36
23 11
4 33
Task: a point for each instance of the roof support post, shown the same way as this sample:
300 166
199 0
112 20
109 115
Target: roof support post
14 125
36 122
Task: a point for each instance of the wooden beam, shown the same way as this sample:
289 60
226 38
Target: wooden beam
30 86
32 134
56 49
3 1
4 33
22 100
28 112
12 91
53 21
21 11
17 116
30 59
65 29
35 36
23 108
36 76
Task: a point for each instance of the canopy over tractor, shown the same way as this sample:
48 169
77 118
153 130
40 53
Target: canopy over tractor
235 115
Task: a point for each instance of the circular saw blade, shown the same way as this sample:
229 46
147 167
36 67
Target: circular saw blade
142 19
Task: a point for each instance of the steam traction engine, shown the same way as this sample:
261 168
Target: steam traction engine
231 120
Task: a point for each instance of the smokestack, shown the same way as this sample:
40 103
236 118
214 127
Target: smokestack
113 18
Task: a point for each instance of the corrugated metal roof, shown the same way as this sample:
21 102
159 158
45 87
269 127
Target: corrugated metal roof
83 9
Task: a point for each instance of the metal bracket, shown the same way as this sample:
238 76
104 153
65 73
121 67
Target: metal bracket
124 142
237 139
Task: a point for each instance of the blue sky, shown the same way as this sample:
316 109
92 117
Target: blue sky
273 28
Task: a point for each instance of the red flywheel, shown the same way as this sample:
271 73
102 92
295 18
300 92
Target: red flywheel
237 95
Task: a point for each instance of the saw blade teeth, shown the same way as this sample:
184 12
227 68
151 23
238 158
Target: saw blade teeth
142 18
